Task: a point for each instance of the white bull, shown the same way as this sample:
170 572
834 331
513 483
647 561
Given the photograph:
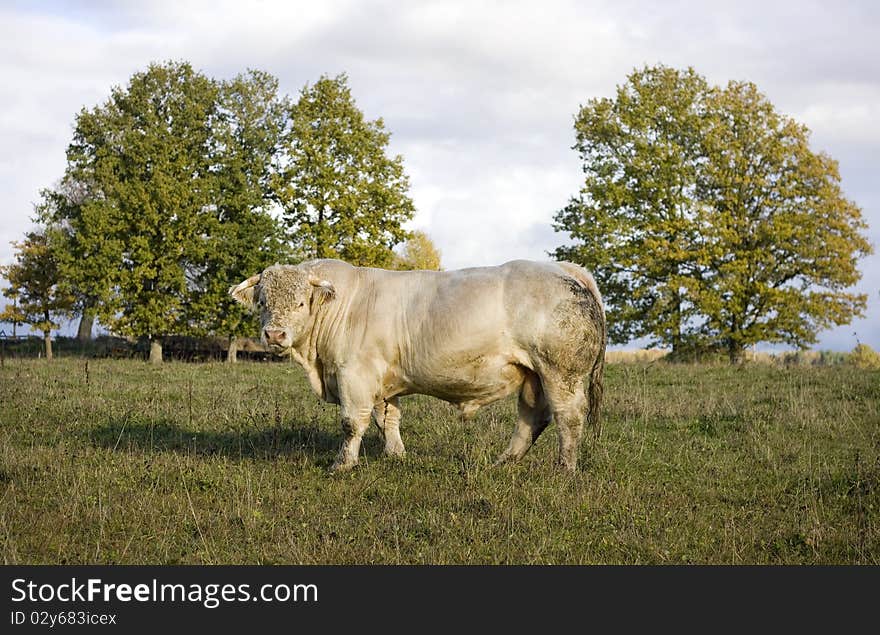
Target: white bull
473 336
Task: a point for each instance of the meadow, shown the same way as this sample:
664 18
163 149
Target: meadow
118 461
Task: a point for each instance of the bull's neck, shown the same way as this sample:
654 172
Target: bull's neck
316 343
306 353
322 348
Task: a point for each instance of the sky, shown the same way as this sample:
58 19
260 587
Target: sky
480 97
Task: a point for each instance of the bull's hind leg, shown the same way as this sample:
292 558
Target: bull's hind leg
534 417
379 417
569 406
387 416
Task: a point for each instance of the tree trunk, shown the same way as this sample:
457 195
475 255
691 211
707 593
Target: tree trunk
232 352
676 325
47 340
86 322
319 239
155 351
734 352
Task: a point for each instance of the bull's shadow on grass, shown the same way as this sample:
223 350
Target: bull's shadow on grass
294 441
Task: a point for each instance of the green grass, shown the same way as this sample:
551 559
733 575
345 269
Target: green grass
126 463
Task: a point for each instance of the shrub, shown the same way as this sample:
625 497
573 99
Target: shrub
865 357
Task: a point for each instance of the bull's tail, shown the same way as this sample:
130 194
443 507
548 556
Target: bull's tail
596 387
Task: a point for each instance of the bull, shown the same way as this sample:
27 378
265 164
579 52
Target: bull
365 337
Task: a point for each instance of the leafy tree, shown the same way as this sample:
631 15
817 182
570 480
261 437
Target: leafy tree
343 197
166 201
12 313
146 155
241 234
171 187
783 243
85 252
864 357
419 252
34 277
633 222
695 212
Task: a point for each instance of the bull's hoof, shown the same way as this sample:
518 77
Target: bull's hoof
395 450
504 458
567 467
339 468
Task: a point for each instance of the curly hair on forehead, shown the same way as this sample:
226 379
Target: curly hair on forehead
284 287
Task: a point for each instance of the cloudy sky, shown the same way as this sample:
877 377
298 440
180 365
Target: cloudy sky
479 96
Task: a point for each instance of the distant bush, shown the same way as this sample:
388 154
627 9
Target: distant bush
801 358
697 351
865 357
190 349
644 355
832 358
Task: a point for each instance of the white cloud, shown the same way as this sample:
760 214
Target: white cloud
479 96
850 119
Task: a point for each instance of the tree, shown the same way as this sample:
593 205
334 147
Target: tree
343 197
694 215
166 201
145 155
241 235
783 243
85 252
12 313
34 277
633 222
419 252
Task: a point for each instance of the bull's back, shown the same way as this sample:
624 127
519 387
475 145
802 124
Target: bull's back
546 314
468 334
456 337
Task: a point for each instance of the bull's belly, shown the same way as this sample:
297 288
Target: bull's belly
471 383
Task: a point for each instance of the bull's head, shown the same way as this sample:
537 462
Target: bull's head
286 297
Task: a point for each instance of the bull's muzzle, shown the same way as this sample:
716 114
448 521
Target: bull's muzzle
274 337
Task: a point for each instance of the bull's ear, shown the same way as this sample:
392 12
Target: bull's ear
244 291
323 290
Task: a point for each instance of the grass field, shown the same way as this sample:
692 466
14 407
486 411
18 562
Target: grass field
116 461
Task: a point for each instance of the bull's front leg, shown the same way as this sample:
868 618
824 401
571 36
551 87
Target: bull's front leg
356 403
354 423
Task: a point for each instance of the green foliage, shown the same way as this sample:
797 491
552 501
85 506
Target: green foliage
241 236
707 220
12 313
85 249
173 186
419 253
864 357
634 221
343 197
33 283
782 242
831 358
145 157
166 199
